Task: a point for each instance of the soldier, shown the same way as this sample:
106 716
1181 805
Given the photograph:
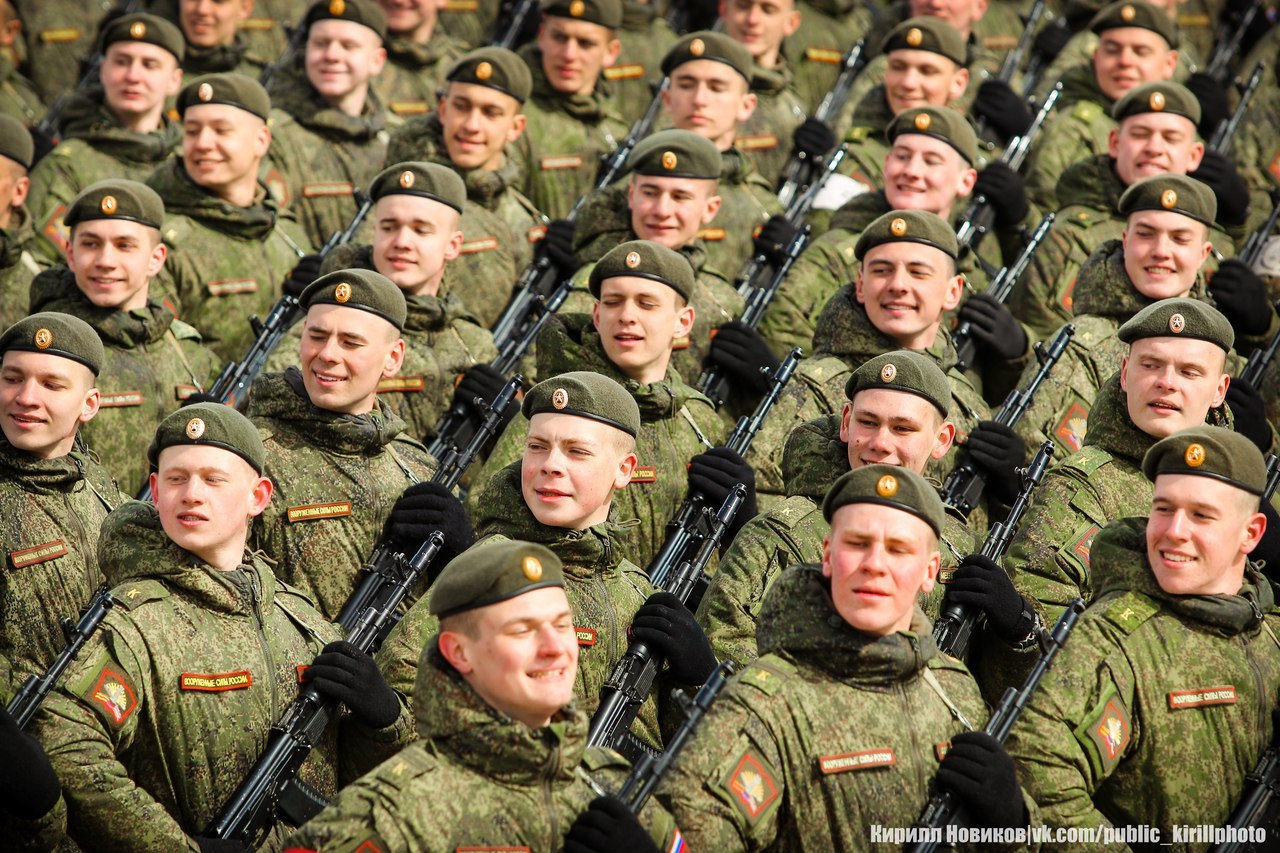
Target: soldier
417 57
644 37
153 360
203 650
18 263
215 44
485 698
19 98
1175 664
116 130
229 247
845 686
59 36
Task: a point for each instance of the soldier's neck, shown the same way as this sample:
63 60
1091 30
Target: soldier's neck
148 122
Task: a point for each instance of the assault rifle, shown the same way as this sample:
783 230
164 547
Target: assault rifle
1226 50
1225 133
943 810
517 12
32 694
1260 359
1013 59
799 171
964 485
1257 241
681 530
954 627
297 44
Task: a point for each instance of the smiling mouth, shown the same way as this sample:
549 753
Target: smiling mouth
1163 406
552 673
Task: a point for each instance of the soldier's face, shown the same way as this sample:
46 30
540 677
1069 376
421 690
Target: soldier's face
341 58
521 655
205 497
113 261
222 146
760 25
345 353
924 173
412 19
575 53
1129 56
211 23
137 77
961 14
1172 383
413 240
669 211
879 560
637 320
1163 252
43 400
1152 144
882 426
920 78
477 122
710 99
904 288
571 468
1198 534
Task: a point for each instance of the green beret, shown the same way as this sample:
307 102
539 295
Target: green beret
365 290
15 141
908 226
364 12
1162 96
1175 193
928 33
425 180
497 68
887 485
211 424
1209 451
1135 14
232 89
494 572
1179 318
717 47
942 123
903 370
116 198
56 334
644 259
675 154
587 395
145 28
606 13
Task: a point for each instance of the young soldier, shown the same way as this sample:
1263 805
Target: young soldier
493 680
19 98
58 36
215 44
204 648
18 263
417 57
844 684
153 360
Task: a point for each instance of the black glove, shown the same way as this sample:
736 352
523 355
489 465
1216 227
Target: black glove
607 826
739 350
1268 550
1230 189
714 473
667 625
306 271
999 451
42 143
423 509
1003 109
220 845
774 239
31 793
1214 106
979 582
343 672
200 397
558 244
1050 41
484 382
1241 296
814 138
979 771
1250 414
1006 189
994 328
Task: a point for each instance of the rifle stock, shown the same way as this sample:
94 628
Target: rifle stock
1225 133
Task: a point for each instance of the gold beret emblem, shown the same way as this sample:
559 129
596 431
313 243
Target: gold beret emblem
923 120
887 486
109 204
205 92
559 398
888 373
1127 13
697 47
195 428
1156 101
138 30
576 8
484 71
342 292
898 227
633 260
669 160
915 37
1168 199
406 179
1177 323
337 7
43 338
1194 455
531 567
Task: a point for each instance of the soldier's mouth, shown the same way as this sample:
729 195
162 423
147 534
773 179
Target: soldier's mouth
1164 405
550 494
327 378
1174 557
26 420
1159 271
549 673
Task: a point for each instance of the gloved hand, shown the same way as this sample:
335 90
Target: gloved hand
31 793
484 382
42 143
774 239
1214 106
667 625
1230 189
1050 41
979 771
813 137
558 244
607 826
1006 189
423 509
999 451
343 672
1241 296
306 271
714 474
739 350
199 397
1004 110
995 331
220 845
979 582
1250 414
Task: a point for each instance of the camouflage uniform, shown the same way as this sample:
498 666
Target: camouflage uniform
337 477
18 266
1077 129
47 832
1079 51
868 145
747 200
266 29
765 138
58 34
471 22
153 362
646 38
815 51
414 73
477 779
18 96
239 57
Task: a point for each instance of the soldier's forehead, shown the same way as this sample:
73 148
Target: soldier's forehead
406 208
1133 36
142 49
193 457
905 251
694 185
345 320
564 427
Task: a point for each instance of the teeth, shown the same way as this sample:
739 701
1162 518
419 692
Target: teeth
1176 558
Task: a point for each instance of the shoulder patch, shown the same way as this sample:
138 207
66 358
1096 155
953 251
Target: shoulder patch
1088 459
1129 611
1105 733
752 786
131 596
1071 428
112 694
1086 111
765 677
1082 544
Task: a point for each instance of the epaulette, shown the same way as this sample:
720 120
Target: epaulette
1084 218
133 595
942 660
1128 611
767 674
1086 111
1088 459
859 132
598 757
184 331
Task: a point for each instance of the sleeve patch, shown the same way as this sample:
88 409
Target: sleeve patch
751 786
1105 733
1071 429
1084 542
112 695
